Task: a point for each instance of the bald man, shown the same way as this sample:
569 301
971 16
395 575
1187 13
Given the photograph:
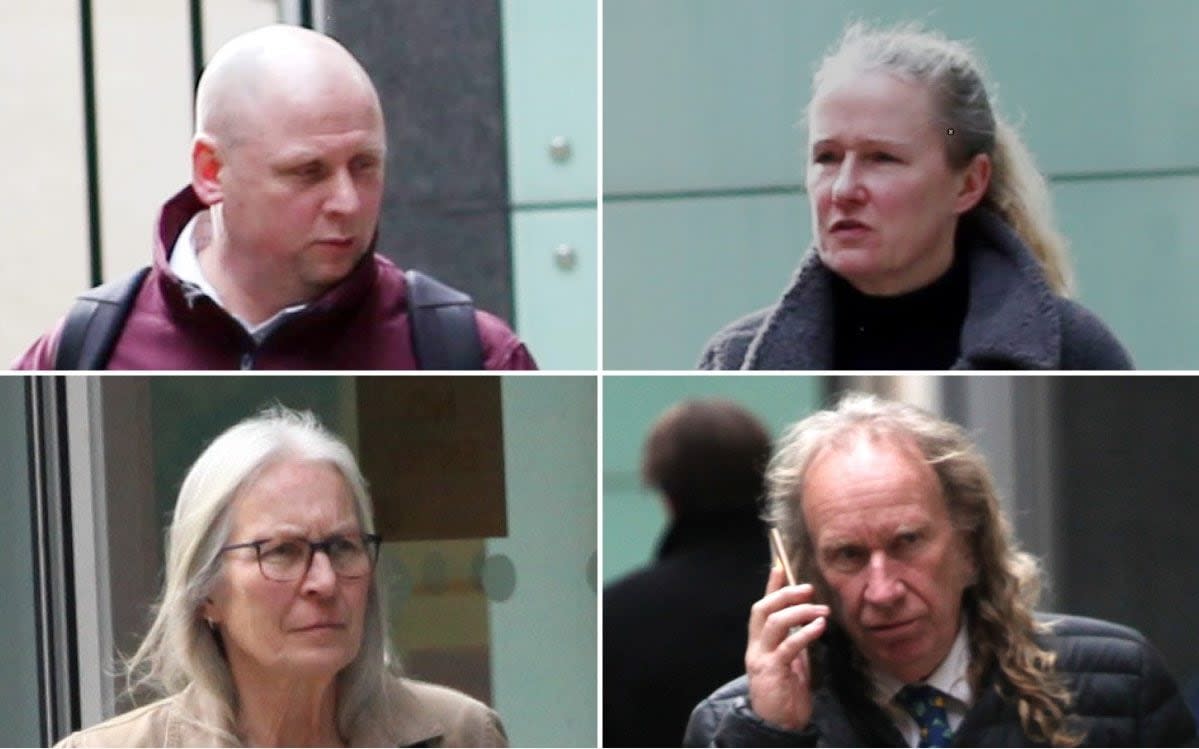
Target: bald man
266 261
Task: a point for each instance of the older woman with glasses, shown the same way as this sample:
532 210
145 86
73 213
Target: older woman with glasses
270 630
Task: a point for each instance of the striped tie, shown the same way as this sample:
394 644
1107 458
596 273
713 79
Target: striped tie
926 705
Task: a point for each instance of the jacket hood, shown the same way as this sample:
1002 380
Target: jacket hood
344 296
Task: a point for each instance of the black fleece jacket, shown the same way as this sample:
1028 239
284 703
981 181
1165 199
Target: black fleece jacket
1013 319
1122 692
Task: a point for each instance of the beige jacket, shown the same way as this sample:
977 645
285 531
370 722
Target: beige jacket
418 714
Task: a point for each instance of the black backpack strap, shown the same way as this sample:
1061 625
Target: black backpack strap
445 334
95 321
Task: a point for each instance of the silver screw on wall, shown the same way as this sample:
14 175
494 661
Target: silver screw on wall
560 149
565 256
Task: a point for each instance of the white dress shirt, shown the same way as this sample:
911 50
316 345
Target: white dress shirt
950 677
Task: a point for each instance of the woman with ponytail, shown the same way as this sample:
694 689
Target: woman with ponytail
934 240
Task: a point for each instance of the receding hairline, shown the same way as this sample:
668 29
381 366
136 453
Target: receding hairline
876 432
242 71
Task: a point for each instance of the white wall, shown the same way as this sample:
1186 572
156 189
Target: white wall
143 75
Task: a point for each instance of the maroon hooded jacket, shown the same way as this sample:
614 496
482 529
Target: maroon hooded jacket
361 323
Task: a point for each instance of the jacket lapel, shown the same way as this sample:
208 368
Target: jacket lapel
1013 318
798 334
407 722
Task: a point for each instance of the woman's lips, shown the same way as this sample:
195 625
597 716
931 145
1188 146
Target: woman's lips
848 228
320 627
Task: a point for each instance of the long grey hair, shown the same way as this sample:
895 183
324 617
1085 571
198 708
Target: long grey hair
181 651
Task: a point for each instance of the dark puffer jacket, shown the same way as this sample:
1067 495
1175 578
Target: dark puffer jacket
1123 696
1013 319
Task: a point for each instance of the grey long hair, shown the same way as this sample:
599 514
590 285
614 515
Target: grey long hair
181 650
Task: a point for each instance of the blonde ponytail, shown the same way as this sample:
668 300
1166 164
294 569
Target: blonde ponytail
1020 195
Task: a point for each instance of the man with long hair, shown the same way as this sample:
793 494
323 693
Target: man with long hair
913 620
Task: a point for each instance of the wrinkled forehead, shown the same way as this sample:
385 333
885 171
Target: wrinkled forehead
871 104
867 469
872 436
290 496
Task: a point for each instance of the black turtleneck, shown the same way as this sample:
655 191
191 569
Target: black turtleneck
917 330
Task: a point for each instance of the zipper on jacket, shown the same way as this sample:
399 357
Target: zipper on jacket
247 360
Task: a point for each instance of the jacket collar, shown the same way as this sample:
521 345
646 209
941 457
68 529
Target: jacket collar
198 719
798 333
1012 319
406 722
703 529
343 298
1013 314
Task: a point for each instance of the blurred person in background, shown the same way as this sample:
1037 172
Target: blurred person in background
934 241
675 627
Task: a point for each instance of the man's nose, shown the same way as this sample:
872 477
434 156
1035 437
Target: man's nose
344 197
883 587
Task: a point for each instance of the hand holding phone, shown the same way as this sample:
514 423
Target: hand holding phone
781 627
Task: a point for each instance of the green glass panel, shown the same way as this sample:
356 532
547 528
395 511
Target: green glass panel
676 271
633 523
1135 247
543 638
550 92
706 94
633 515
702 94
554 277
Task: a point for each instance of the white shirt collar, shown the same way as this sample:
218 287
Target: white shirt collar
185 259
951 677
185 263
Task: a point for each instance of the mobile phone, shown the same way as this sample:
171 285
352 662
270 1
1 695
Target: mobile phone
780 551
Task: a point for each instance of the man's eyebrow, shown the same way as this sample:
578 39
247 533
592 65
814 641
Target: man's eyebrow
293 160
305 156
837 542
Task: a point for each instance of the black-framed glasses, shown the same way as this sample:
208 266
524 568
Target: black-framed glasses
288 559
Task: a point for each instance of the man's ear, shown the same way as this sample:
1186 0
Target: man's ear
975 180
206 169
